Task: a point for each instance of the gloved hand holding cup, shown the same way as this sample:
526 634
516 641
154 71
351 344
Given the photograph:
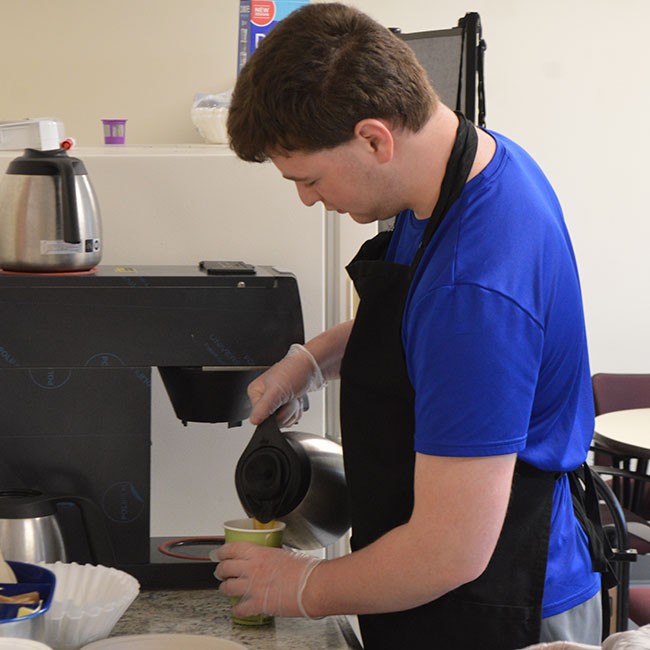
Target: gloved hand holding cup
260 580
242 530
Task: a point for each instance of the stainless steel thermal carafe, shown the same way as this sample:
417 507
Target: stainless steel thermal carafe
49 217
30 531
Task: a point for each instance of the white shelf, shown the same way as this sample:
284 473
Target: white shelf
153 150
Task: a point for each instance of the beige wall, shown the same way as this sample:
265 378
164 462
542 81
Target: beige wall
81 60
568 80
84 60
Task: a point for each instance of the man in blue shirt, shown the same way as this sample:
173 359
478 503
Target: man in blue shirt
465 391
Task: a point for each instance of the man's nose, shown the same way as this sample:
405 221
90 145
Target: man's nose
307 195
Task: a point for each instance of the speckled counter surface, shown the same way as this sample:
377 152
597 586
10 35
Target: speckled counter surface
205 611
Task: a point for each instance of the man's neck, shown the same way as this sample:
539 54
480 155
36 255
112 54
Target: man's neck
425 155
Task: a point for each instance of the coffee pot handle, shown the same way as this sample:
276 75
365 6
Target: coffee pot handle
66 203
101 549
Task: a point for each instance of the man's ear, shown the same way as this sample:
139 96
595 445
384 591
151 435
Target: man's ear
377 136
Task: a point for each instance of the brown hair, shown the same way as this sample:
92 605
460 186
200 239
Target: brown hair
319 72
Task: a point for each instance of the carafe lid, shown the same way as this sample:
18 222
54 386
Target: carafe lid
24 503
45 163
272 474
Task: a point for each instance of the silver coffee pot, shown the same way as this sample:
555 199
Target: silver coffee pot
298 478
30 531
49 217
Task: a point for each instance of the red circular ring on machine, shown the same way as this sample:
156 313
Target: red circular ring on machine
164 548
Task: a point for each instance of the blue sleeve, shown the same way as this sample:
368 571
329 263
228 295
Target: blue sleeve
473 357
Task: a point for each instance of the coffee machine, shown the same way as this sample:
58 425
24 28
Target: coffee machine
76 356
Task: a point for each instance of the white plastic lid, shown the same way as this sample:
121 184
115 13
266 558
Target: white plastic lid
44 133
49 132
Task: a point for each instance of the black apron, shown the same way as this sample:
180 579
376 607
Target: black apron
500 610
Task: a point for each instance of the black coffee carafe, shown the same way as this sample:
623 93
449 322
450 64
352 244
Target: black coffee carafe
298 478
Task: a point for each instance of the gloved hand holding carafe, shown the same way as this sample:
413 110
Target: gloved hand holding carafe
279 389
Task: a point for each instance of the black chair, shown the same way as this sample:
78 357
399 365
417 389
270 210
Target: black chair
627 476
622 554
636 540
617 392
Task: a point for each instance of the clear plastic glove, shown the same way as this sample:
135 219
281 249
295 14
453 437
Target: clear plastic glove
268 580
630 640
280 388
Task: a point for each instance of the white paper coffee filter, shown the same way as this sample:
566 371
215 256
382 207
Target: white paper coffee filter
88 601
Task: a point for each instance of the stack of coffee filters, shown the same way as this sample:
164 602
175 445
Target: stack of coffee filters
88 601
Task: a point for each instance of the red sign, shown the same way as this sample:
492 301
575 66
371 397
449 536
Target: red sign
262 12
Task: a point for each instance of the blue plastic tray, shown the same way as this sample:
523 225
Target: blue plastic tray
31 577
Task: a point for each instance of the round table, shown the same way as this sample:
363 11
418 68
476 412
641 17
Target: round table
627 432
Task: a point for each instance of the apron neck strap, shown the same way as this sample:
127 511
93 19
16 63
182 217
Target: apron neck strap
459 166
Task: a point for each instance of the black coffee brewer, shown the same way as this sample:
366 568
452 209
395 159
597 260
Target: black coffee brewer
76 357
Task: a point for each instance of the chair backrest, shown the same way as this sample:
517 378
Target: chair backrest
617 392
453 59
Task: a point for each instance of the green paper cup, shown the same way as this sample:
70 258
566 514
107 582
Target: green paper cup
241 530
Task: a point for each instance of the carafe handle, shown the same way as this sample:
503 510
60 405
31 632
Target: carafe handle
101 549
66 199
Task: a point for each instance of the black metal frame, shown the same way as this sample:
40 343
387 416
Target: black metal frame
471 86
622 553
474 55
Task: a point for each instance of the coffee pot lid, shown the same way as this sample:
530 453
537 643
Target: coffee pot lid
273 473
34 162
24 503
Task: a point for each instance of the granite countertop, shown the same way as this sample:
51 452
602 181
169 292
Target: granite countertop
205 611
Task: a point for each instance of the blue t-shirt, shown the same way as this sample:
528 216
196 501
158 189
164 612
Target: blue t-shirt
495 343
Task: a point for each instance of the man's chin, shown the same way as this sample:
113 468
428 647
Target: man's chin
362 218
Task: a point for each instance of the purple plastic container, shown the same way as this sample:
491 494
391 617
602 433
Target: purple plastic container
114 131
